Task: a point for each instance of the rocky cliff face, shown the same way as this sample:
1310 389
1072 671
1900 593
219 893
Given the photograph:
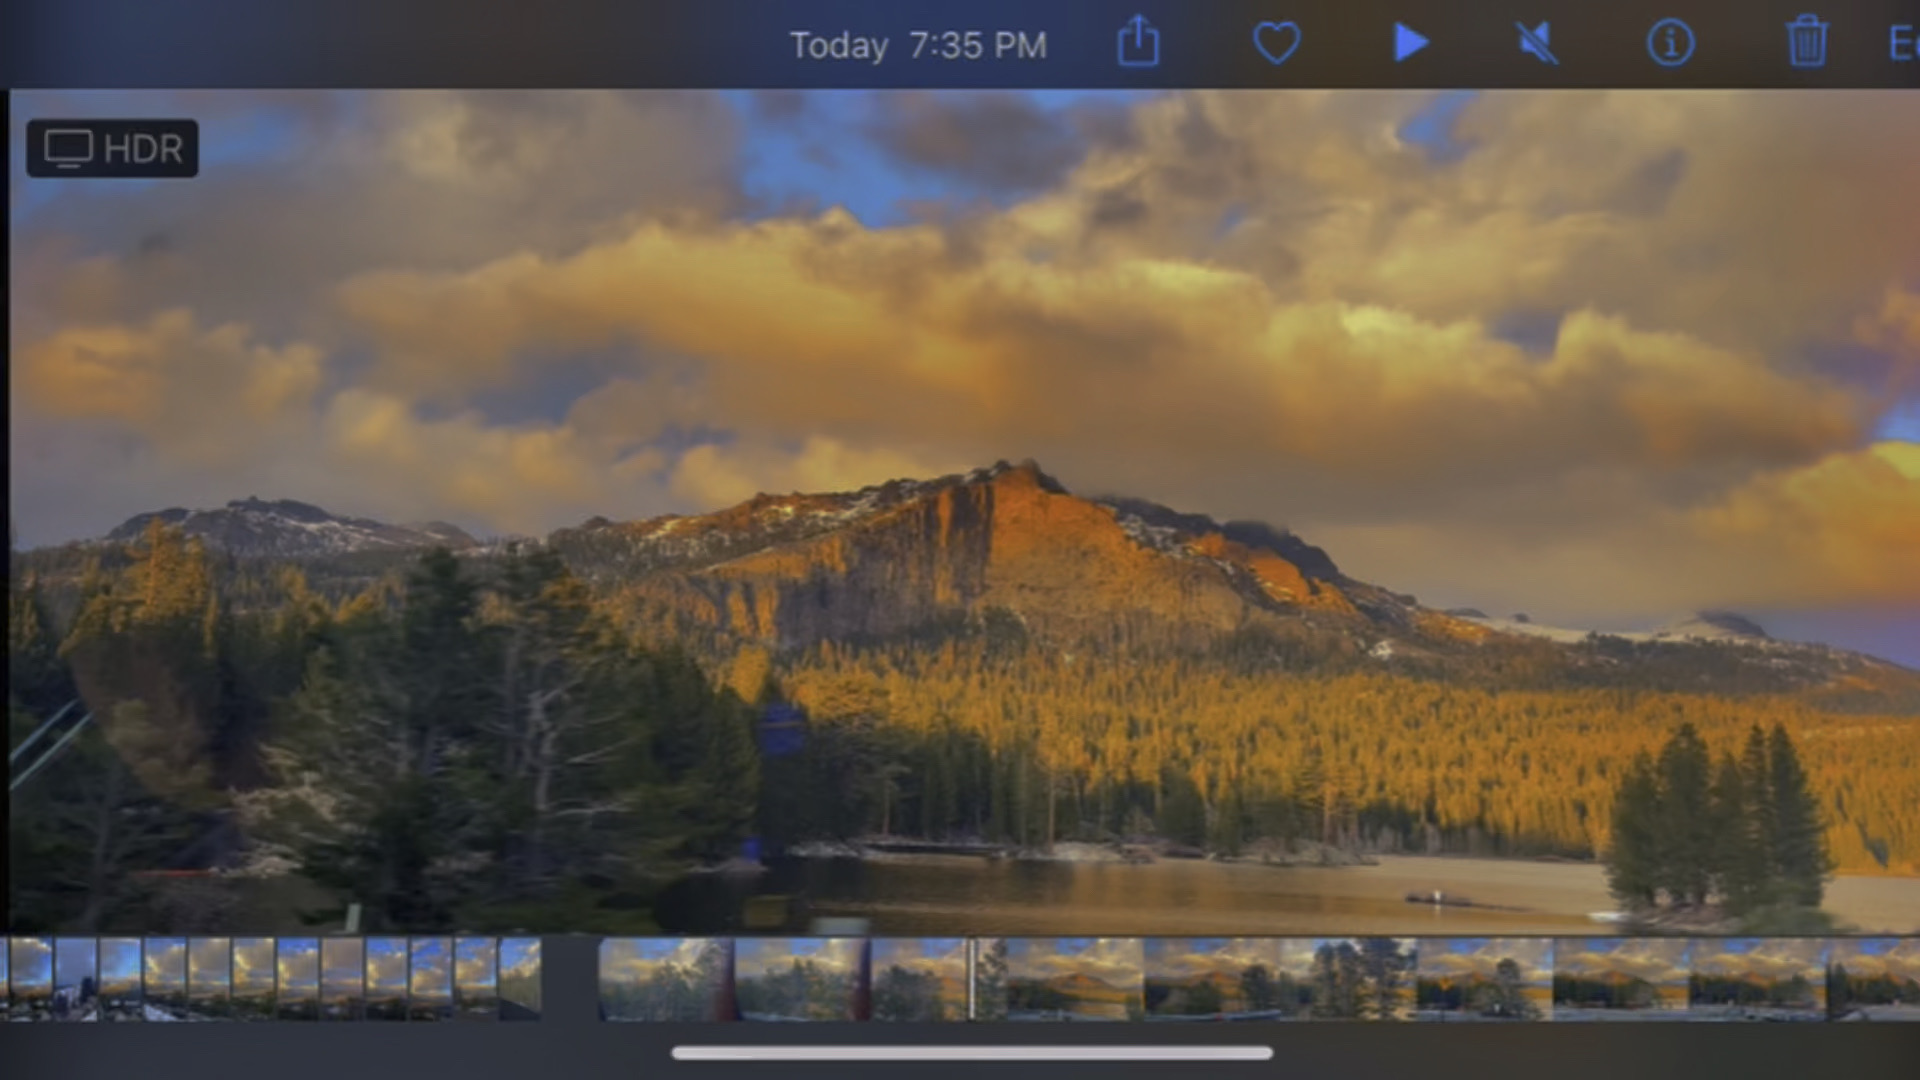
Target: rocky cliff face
1009 553
1009 549
889 560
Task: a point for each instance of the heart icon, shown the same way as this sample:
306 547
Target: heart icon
1277 40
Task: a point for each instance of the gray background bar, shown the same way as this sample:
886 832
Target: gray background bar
1304 1051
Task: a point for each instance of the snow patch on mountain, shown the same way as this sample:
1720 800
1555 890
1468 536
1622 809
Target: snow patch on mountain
1704 626
1714 626
287 528
1165 539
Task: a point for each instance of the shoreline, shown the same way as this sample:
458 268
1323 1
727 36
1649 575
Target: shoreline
1304 854
912 892
1313 856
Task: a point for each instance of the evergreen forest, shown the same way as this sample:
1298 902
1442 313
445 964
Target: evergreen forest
494 744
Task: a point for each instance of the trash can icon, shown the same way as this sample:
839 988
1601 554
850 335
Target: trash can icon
1807 42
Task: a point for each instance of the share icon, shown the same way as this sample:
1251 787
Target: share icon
1536 40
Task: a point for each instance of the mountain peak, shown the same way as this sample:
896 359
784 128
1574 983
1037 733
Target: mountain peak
288 528
1716 624
1024 473
287 508
1006 538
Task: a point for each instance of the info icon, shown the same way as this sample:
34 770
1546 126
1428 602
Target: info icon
1671 43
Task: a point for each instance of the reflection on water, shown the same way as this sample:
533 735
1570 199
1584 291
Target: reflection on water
961 894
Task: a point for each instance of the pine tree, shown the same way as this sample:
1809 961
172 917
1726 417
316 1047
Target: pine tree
440 656
81 825
380 787
1385 966
1634 859
1339 983
990 980
35 676
1686 846
729 776
140 637
1740 866
350 806
1258 988
1510 994
1801 862
1184 818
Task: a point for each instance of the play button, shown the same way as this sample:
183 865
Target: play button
1406 41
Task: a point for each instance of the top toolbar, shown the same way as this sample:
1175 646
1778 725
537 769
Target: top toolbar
1132 44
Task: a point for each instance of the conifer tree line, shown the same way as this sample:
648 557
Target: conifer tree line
480 748
489 742
914 996
1366 979
1503 996
1038 746
1743 830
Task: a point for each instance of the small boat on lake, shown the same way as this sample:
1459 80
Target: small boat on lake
1443 899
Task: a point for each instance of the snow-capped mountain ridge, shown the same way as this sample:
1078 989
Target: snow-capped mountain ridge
288 528
1010 543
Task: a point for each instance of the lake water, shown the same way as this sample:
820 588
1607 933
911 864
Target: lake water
953 895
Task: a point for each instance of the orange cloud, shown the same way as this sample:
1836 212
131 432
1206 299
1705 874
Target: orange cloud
1847 526
719 476
167 374
1269 306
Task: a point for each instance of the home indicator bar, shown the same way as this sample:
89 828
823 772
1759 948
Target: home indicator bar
973 1053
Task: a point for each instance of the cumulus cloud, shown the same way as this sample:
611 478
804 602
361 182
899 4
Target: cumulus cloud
1849 523
1780 958
1563 201
120 964
325 184
1265 306
343 965
1163 374
1296 955
297 961
210 965
758 957
519 958
31 960
212 416
476 962
1653 959
1899 957
166 963
197 390
1002 142
1137 357
942 957
713 475
430 971
387 964
516 478
1176 958
1458 957
253 965
1115 961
